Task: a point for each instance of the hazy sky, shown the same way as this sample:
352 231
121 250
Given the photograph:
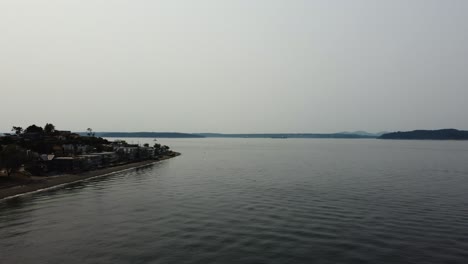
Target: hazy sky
234 66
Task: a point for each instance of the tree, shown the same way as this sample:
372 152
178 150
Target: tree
90 132
34 129
146 145
165 149
11 158
17 130
49 128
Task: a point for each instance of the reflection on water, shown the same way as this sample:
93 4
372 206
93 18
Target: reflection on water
256 201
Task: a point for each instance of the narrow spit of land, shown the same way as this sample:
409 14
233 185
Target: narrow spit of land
36 184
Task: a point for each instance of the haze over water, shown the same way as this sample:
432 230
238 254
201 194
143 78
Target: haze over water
239 66
256 201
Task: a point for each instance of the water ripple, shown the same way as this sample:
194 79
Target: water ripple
255 202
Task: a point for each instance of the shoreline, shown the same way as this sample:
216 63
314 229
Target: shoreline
65 179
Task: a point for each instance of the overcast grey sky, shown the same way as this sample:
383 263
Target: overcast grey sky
234 66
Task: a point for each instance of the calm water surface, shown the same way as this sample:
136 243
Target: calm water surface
256 201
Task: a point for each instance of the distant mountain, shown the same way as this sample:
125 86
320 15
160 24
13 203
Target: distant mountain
285 135
442 134
381 133
144 134
363 133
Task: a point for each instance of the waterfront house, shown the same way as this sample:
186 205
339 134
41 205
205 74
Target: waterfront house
107 157
91 161
31 136
83 149
147 152
45 163
66 164
127 153
68 149
57 150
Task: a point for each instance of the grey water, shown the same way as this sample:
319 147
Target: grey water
256 201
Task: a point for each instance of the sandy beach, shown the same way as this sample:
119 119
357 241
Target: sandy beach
40 183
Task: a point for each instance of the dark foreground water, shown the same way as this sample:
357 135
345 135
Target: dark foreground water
256 201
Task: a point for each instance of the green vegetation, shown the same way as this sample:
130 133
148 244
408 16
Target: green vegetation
17 130
49 129
90 132
12 157
33 129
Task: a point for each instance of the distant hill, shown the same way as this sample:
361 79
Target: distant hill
442 134
364 133
285 135
144 135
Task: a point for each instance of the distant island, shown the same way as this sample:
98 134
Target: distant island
441 134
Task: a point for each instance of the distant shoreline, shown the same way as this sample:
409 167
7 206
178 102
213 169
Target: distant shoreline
158 135
62 180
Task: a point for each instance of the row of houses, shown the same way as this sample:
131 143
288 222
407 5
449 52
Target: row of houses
64 151
83 162
94 160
